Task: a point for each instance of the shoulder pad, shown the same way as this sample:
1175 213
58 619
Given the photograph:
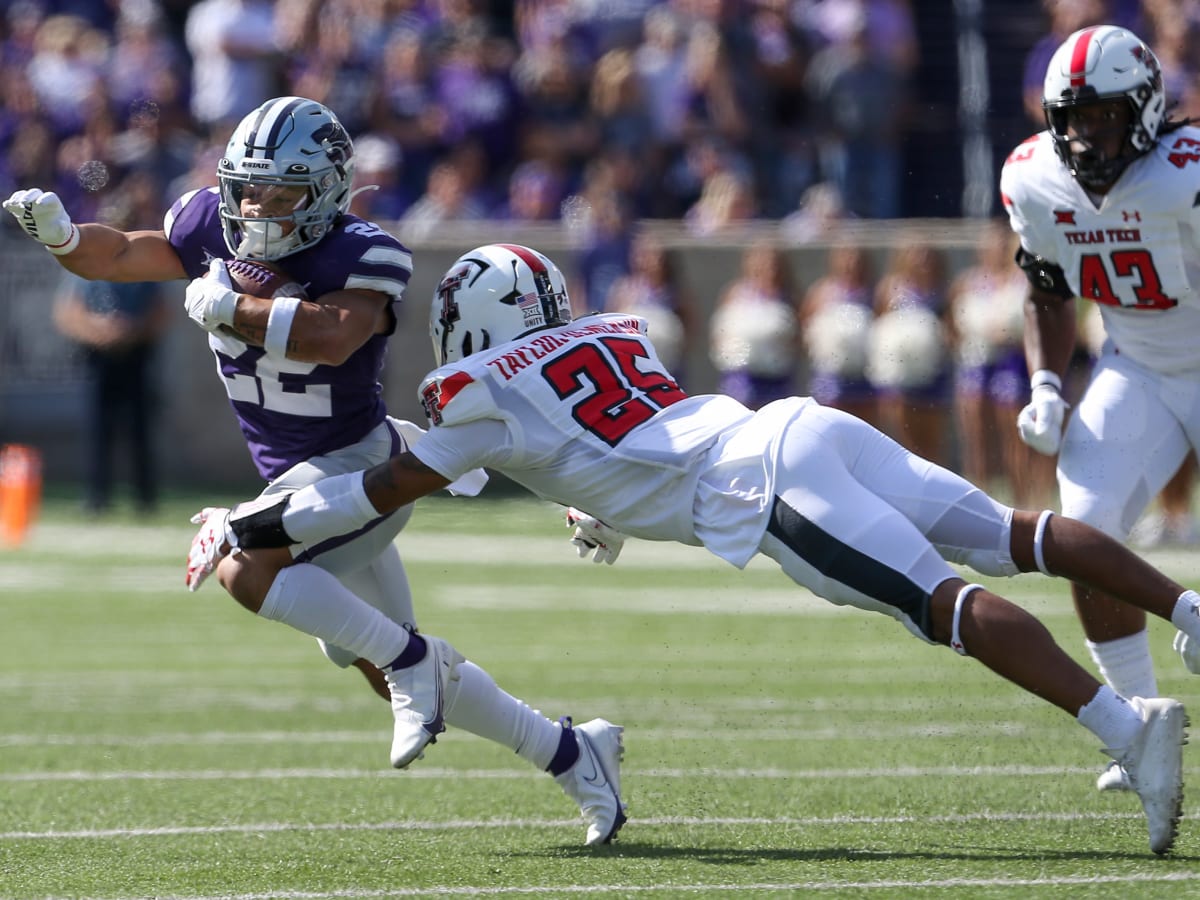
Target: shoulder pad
470 398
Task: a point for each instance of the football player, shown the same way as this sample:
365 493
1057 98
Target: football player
584 413
1106 202
303 379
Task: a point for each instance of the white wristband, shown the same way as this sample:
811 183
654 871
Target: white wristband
66 246
1045 376
328 508
279 325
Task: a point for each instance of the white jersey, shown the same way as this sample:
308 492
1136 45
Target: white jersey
1137 254
584 415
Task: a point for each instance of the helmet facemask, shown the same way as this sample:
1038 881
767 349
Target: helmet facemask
293 160
1095 65
492 295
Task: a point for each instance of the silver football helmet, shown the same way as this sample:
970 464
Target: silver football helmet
1097 64
294 162
492 295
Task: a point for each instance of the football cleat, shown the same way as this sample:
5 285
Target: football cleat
1113 778
1189 651
1154 763
594 782
418 699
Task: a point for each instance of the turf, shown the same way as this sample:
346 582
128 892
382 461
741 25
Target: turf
155 743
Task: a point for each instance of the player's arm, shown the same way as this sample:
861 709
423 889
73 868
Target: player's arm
325 331
1050 331
94 251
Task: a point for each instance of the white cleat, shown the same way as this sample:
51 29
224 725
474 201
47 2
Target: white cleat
1113 778
1189 651
594 782
1154 763
418 698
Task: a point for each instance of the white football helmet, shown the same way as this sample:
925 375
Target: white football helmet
492 295
1102 63
291 150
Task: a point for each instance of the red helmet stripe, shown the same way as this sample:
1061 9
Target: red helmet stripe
1079 57
527 256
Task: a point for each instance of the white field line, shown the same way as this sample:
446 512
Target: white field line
647 822
695 888
434 773
707 735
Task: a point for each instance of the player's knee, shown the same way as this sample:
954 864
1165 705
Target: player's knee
248 576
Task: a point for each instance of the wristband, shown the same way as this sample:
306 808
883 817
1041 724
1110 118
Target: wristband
279 325
66 246
1045 376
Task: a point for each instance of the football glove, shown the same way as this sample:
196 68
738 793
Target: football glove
1041 422
212 542
210 300
592 534
44 219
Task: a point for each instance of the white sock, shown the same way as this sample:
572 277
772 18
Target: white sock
1186 614
1126 664
1110 717
478 705
311 600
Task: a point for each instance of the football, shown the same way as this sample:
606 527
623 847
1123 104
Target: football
259 279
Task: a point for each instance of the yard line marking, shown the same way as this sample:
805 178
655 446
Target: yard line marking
647 822
481 774
674 889
798 732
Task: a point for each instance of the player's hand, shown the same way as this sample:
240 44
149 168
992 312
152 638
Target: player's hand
211 544
210 301
44 219
1041 422
592 534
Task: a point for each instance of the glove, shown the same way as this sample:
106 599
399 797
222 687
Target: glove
211 301
1040 423
211 544
592 534
44 219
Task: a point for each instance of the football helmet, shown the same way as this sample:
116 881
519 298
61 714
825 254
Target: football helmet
1097 64
295 161
492 295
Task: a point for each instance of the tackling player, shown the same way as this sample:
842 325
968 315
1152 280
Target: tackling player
304 383
1106 202
583 413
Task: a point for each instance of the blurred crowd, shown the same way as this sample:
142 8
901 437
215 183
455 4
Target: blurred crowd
696 109
598 115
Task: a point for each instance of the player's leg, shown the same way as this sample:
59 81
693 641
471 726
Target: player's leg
1121 446
584 760
836 537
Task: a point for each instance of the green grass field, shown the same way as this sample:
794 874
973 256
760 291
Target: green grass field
155 743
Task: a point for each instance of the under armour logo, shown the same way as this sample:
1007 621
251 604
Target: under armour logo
1135 215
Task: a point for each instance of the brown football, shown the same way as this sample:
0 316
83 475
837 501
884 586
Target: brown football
259 279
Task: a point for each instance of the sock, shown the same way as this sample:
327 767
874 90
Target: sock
412 654
1186 614
1110 717
478 705
1126 664
566 754
311 600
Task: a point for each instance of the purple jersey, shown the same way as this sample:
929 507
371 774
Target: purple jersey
290 411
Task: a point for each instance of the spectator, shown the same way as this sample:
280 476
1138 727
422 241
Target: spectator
535 193
653 290
447 199
754 336
119 326
987 314
907 360
860 101
835 318
235 60
378 165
